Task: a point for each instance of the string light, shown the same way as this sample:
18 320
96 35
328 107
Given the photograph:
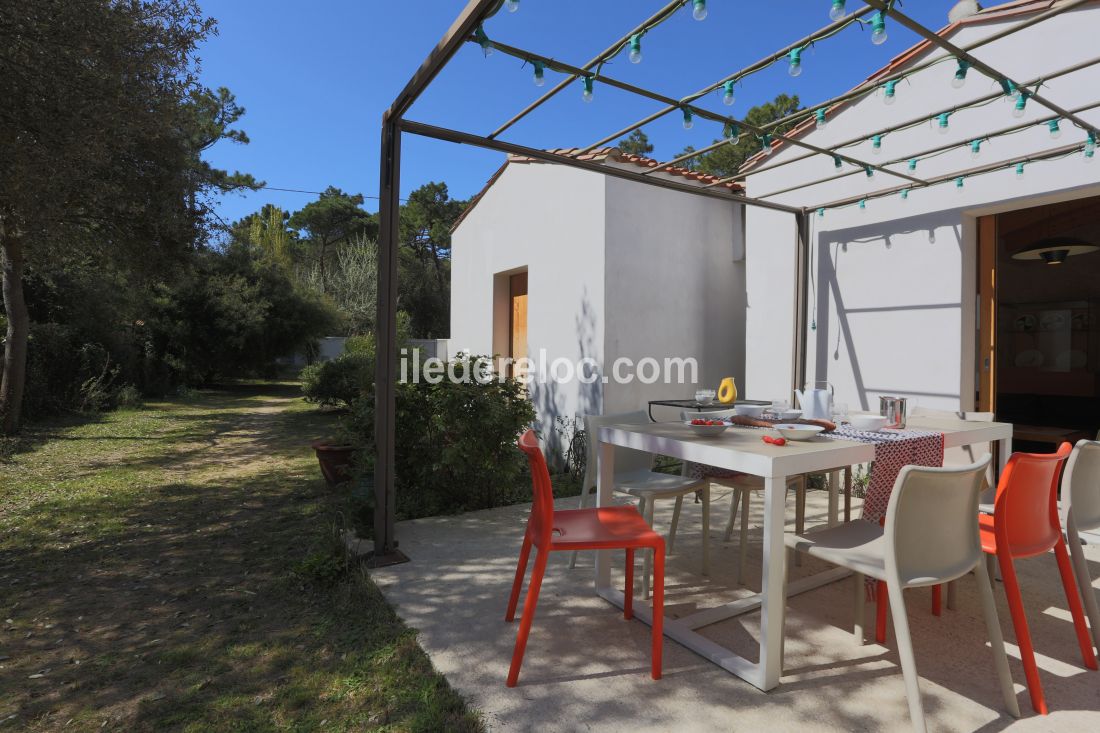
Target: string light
688 121
1090 146
540 79
794 68
876 144
1055 130
512 5
766 144
869 171
837 12
636 48
699 10
943 122
1021 103
586 95
483 41
732 133
888 91
837 162
959 184
912 164
904 194
1019 171
863 204
960 74
821 213
727 95
821 121
878 29
1009 88
975 149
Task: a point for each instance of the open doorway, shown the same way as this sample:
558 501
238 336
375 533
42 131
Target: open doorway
1040 290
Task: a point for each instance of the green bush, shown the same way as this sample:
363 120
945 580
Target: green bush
455 443
128 396
339 381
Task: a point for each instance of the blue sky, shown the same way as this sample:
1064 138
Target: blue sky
316 76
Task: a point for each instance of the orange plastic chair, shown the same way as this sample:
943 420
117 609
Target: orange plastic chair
602 528
1025 523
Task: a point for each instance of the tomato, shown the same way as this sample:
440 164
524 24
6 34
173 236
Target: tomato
768 439
779 441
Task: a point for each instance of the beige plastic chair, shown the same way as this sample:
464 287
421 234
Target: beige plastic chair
743 486
930 537
634 475
1080 509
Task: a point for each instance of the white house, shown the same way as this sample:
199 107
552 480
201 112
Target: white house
926 295
558 263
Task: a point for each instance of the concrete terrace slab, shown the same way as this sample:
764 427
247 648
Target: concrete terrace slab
586 668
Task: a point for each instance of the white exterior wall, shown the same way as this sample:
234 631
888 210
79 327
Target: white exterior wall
549 219
675 287
895 311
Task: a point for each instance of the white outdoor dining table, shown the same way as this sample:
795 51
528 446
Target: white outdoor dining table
741 449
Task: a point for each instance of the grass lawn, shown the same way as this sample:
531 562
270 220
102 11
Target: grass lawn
175 567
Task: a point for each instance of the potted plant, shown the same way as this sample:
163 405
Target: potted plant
334 456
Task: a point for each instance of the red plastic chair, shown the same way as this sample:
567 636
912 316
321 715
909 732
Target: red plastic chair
1025 523
603 528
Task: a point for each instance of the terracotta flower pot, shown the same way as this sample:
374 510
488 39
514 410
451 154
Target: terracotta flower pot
335 460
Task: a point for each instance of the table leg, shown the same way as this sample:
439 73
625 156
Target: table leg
848 494
834 497
605 481
1004 450
771 586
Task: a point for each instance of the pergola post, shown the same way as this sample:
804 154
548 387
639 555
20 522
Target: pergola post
801 292
385 368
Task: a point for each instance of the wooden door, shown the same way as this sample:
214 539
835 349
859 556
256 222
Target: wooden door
987 314
517 326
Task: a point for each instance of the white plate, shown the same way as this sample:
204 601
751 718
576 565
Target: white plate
798 432
707 430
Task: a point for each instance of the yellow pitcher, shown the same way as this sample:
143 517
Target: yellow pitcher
727 391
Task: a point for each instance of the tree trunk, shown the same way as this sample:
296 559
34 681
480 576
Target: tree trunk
15 347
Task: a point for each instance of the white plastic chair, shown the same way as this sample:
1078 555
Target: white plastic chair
634 475
743 486
930 537
1080 509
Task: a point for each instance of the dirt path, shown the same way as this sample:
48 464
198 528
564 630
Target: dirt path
170 569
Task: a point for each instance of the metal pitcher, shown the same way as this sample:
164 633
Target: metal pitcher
893 409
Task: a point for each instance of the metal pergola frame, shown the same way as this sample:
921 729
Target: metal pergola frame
466 28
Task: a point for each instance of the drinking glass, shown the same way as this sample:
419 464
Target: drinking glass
840 412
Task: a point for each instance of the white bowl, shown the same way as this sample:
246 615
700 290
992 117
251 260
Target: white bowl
789 414
869 423
707 430
705 396
798 432
749 410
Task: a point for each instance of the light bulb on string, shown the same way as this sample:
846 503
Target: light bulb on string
1054 129
863 204
869 171
837 162
888 92
821 213
819 119
1019 171
960 74
794 58
636 48
1020 107
688 121
1090 146
766 144
904 195
959 184
944 125
878 29
975 149
727 93
931 236
512 5
912 164
1009 88
876 144
586 95
540 78
483 40
732 133
699 10
837 12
